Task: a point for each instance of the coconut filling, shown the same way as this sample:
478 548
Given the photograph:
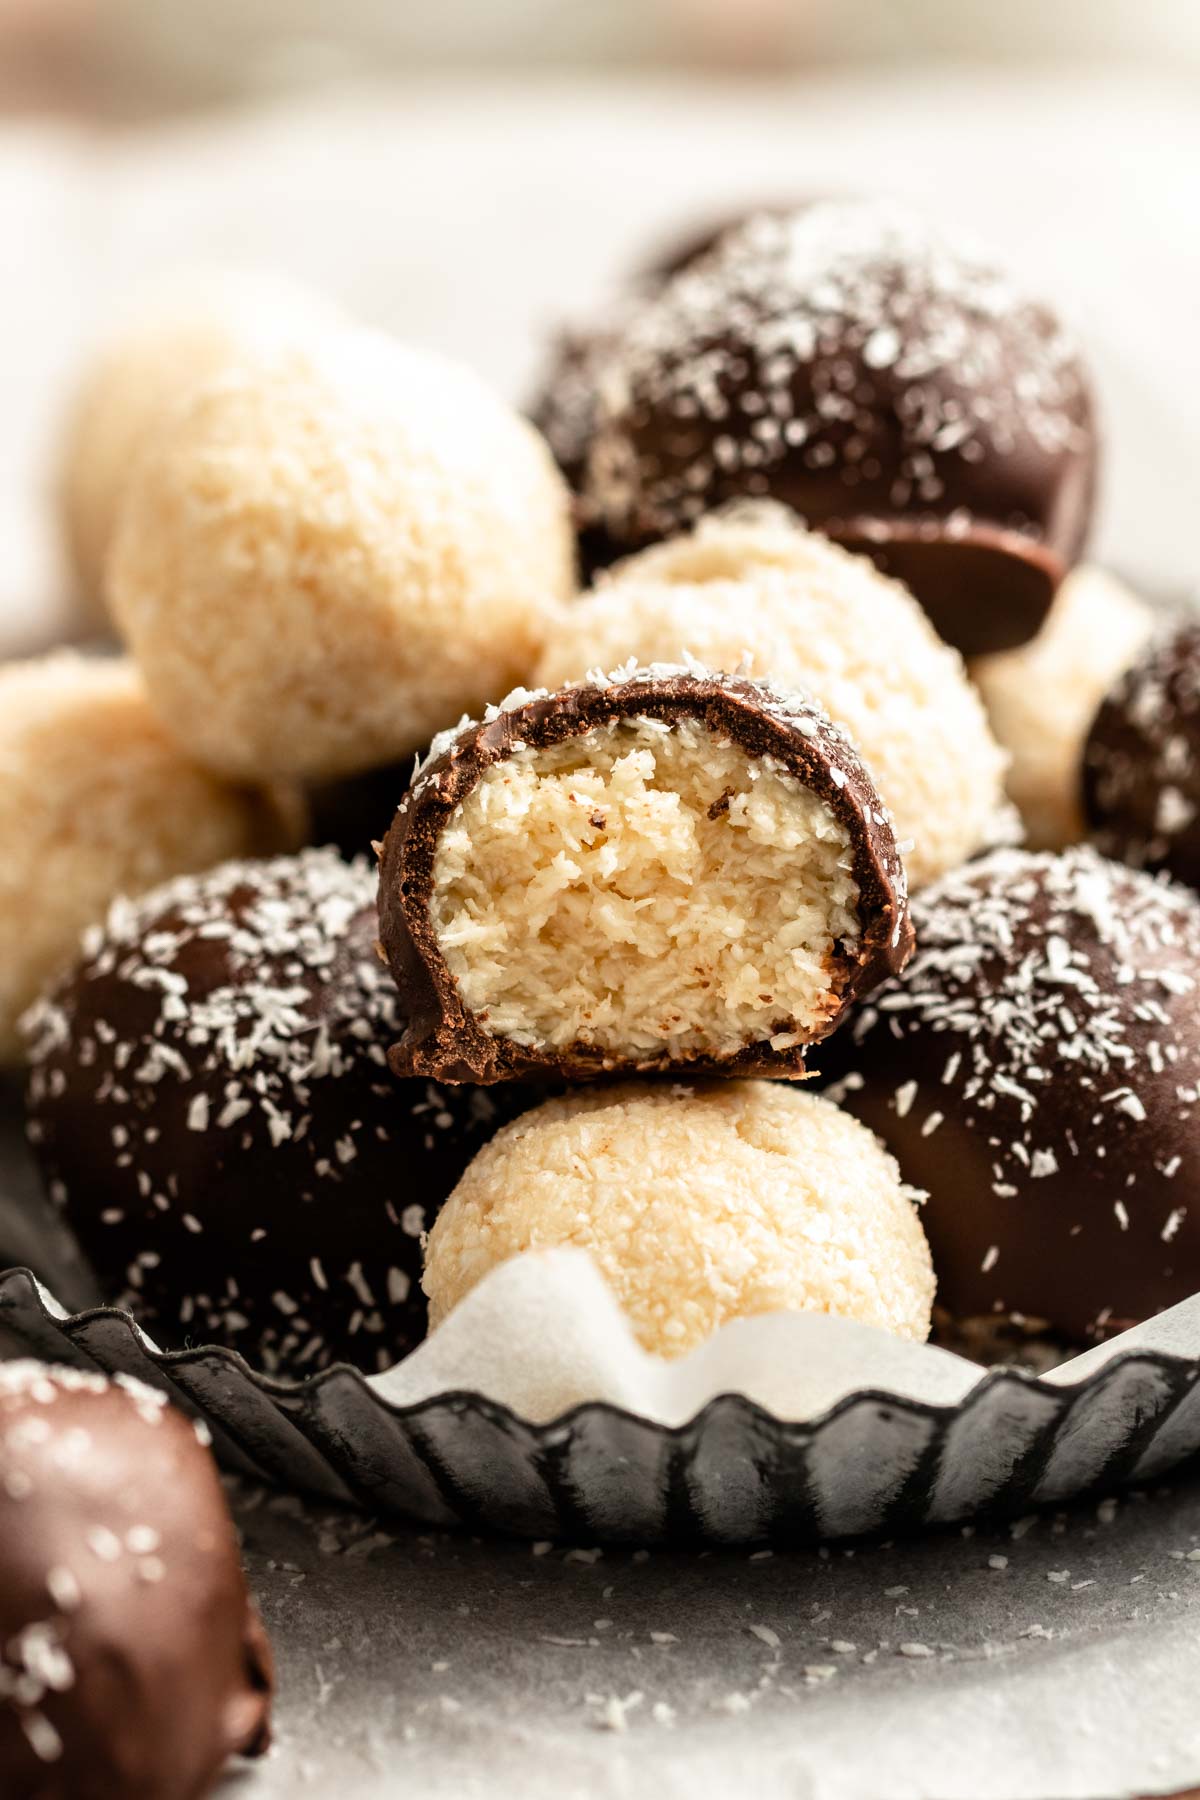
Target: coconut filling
649 890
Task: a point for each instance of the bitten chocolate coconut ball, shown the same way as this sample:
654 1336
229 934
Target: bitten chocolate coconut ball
699 1205
184 331
1042 698
210 1103
96 801
660 869
1037 1071
894 390
1141 760
749 590
132 1663
319 564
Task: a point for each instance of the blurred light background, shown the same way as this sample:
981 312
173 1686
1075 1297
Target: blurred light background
472 172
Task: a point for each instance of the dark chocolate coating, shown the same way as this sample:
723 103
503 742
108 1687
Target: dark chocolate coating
1141 760
132 1663
446 1040
564 411
353 812
687 246
210 1101
897 394
565 403
1037 1070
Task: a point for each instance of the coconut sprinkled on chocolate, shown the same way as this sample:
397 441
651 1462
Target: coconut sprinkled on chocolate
131 1662
1037 1069
655 868
1141 766
210 1100
848 360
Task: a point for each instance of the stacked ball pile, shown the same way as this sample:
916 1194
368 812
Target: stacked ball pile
300 1102
659 870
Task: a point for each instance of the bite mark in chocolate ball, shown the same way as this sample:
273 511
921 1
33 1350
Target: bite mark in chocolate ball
132 1663
659 869
893 389
1037 1070
1141 760
210 1102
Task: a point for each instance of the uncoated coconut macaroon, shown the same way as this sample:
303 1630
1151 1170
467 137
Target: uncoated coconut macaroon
183 331
1041 698
657 869
96 800
699 1205
318 564
751 590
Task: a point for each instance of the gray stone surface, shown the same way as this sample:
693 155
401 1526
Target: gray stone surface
1053 1660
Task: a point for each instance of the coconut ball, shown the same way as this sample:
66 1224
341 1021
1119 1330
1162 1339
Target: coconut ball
699 1205
210 1104
1036 1071
750 587
183 332
886 381
318 565
1041 698
96 801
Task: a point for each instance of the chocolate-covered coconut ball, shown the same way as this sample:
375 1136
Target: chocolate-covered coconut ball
564 404
183 331
892 388
1141 759
698 1205
750 590
96 800
1037 1071
1042 698
658 869
319 564
566 395
210 1102
132 1662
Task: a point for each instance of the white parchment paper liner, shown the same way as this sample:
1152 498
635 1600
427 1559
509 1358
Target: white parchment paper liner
533 1410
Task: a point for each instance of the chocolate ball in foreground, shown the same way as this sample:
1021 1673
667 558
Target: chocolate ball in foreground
1141 760
132 1663
1037 1070
892 388
660 869
750 590
211 1105
1041 699
699 1205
